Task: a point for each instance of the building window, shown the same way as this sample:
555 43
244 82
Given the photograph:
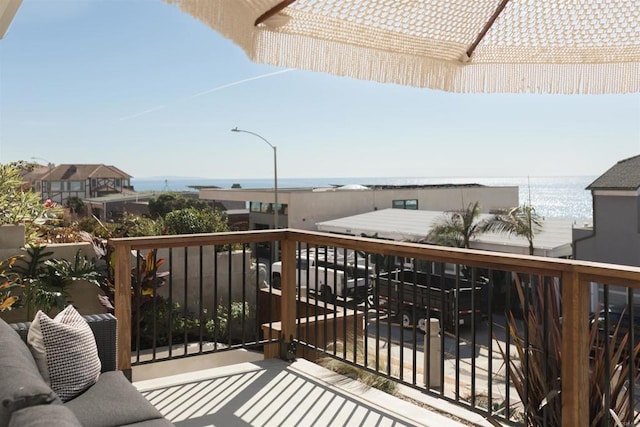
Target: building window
411 204
267 207
255 206
75 185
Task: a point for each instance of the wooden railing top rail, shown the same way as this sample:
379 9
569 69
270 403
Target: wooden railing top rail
202 239
588 271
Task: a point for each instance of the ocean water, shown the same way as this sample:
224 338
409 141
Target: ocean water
552 197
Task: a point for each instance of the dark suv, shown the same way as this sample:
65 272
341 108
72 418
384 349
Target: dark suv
619 318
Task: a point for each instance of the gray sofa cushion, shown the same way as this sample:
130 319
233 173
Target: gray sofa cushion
44 416
20 383
110 402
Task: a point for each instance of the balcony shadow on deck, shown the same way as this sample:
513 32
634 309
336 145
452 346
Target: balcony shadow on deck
272 392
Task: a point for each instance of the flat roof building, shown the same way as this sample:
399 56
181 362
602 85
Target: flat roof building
554 240
303 208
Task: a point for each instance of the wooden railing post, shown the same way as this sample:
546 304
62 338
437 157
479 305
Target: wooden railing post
575 350
123 306
288 307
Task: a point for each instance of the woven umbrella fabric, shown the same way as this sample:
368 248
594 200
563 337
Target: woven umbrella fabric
533 46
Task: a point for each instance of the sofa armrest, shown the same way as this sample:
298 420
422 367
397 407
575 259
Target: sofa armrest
104 327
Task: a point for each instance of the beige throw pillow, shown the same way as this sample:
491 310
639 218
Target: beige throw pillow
65 351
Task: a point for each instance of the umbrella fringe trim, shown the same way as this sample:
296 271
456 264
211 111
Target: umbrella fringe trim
452 76
464 76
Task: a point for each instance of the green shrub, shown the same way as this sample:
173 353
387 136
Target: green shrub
23 206
226 323
192 221
160 206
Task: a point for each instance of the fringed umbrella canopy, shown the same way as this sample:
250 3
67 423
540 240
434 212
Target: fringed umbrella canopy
531 46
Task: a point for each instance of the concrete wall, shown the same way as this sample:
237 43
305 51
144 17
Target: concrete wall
11 237
217 284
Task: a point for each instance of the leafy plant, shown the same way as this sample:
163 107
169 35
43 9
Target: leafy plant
536 371
23 206
521 221
613 374
160 323
224 322
8 283
37 292
44 279
457 228
145 276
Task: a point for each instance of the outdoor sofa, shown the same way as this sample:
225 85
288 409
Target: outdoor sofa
27 400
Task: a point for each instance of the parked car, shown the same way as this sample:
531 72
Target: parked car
620 323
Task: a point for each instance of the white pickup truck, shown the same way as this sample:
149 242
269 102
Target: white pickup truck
326 281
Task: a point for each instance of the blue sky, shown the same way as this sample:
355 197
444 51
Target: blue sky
149 89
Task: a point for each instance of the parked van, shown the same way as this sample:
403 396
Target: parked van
325 276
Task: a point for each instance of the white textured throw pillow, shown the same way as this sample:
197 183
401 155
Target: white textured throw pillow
65 350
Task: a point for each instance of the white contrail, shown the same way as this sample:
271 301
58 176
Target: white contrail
159 107
215 89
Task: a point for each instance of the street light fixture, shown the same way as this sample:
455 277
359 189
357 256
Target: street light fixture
275 177
50 170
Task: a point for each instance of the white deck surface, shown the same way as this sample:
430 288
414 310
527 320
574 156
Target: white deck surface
276 393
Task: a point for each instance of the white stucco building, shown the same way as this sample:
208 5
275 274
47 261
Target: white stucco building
303 208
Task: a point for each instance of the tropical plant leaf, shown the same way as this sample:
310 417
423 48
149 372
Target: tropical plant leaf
536 368
7 302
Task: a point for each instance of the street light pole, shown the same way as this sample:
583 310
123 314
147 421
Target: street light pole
275 178
275 172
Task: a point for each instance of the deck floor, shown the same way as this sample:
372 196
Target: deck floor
276 393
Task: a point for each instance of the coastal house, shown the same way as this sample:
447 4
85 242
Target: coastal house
59 183
614 236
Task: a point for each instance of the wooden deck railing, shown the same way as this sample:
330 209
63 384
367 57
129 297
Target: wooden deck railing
576 277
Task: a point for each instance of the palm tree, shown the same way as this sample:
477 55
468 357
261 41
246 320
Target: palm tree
522 221
457 228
